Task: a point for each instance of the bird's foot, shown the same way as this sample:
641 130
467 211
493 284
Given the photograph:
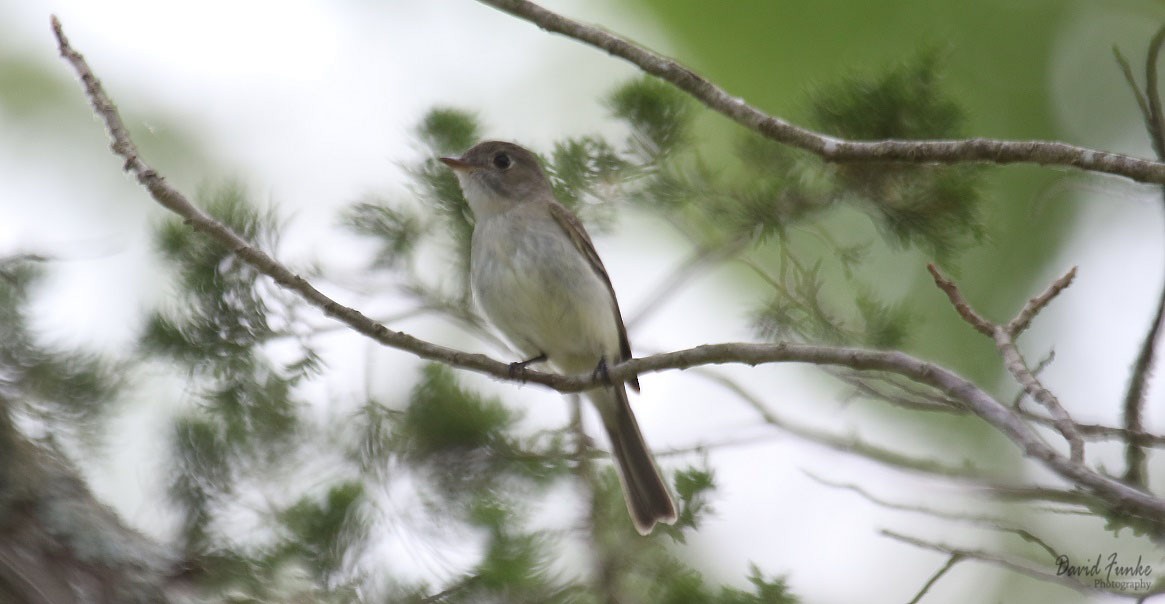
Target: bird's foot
518 369
601 372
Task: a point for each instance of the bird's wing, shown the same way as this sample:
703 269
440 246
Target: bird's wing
573 227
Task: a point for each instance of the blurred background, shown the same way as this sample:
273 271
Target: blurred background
312 106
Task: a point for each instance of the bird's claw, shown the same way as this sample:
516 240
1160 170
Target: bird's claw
518 369
601 372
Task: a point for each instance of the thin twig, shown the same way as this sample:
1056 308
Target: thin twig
701 259
1099 431
1017 366
1134 403
1038 493
702 447
994 524
978 150
964 309
992 559
906 396
965 474
852 445
1021 321
951 562
1131 80
1157 118
1016 403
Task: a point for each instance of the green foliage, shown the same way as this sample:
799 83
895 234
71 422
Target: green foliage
766 591
906 102
447 131
222 312
885 324
245 412
318 527
688 587
693 487
467 444
70 387
396 231
929 206
780 188
202 470
581 167
659 115
514 564
442 417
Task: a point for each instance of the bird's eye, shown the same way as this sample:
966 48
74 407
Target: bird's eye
503 161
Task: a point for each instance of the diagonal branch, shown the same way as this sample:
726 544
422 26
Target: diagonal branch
1003 419
954 559
1131 80
972 554
974 319
978 150
1134 403
1156 117
1018 368
1033 307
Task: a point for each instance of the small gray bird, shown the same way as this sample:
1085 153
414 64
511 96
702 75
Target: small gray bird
537 277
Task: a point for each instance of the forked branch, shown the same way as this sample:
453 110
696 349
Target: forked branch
1004 337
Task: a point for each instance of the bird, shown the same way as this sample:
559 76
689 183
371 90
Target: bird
538 279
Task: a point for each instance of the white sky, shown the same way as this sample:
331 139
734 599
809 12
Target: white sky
312 104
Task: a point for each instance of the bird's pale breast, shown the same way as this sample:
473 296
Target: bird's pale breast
541 292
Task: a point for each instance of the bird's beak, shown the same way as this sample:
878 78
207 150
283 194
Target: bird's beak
457 164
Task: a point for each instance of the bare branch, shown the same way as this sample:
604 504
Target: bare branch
964 309
1131 80
1156 118
1012 358
1100 431
1015 566
978 150
965 474
951 562
1021 321
1038 493
994 524
701 259
1134 403
991 558
1018 368
1017 402
852 445
702 447
897 393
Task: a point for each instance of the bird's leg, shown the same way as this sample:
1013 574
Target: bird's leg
601 372
519 368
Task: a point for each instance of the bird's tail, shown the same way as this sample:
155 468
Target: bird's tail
646 493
